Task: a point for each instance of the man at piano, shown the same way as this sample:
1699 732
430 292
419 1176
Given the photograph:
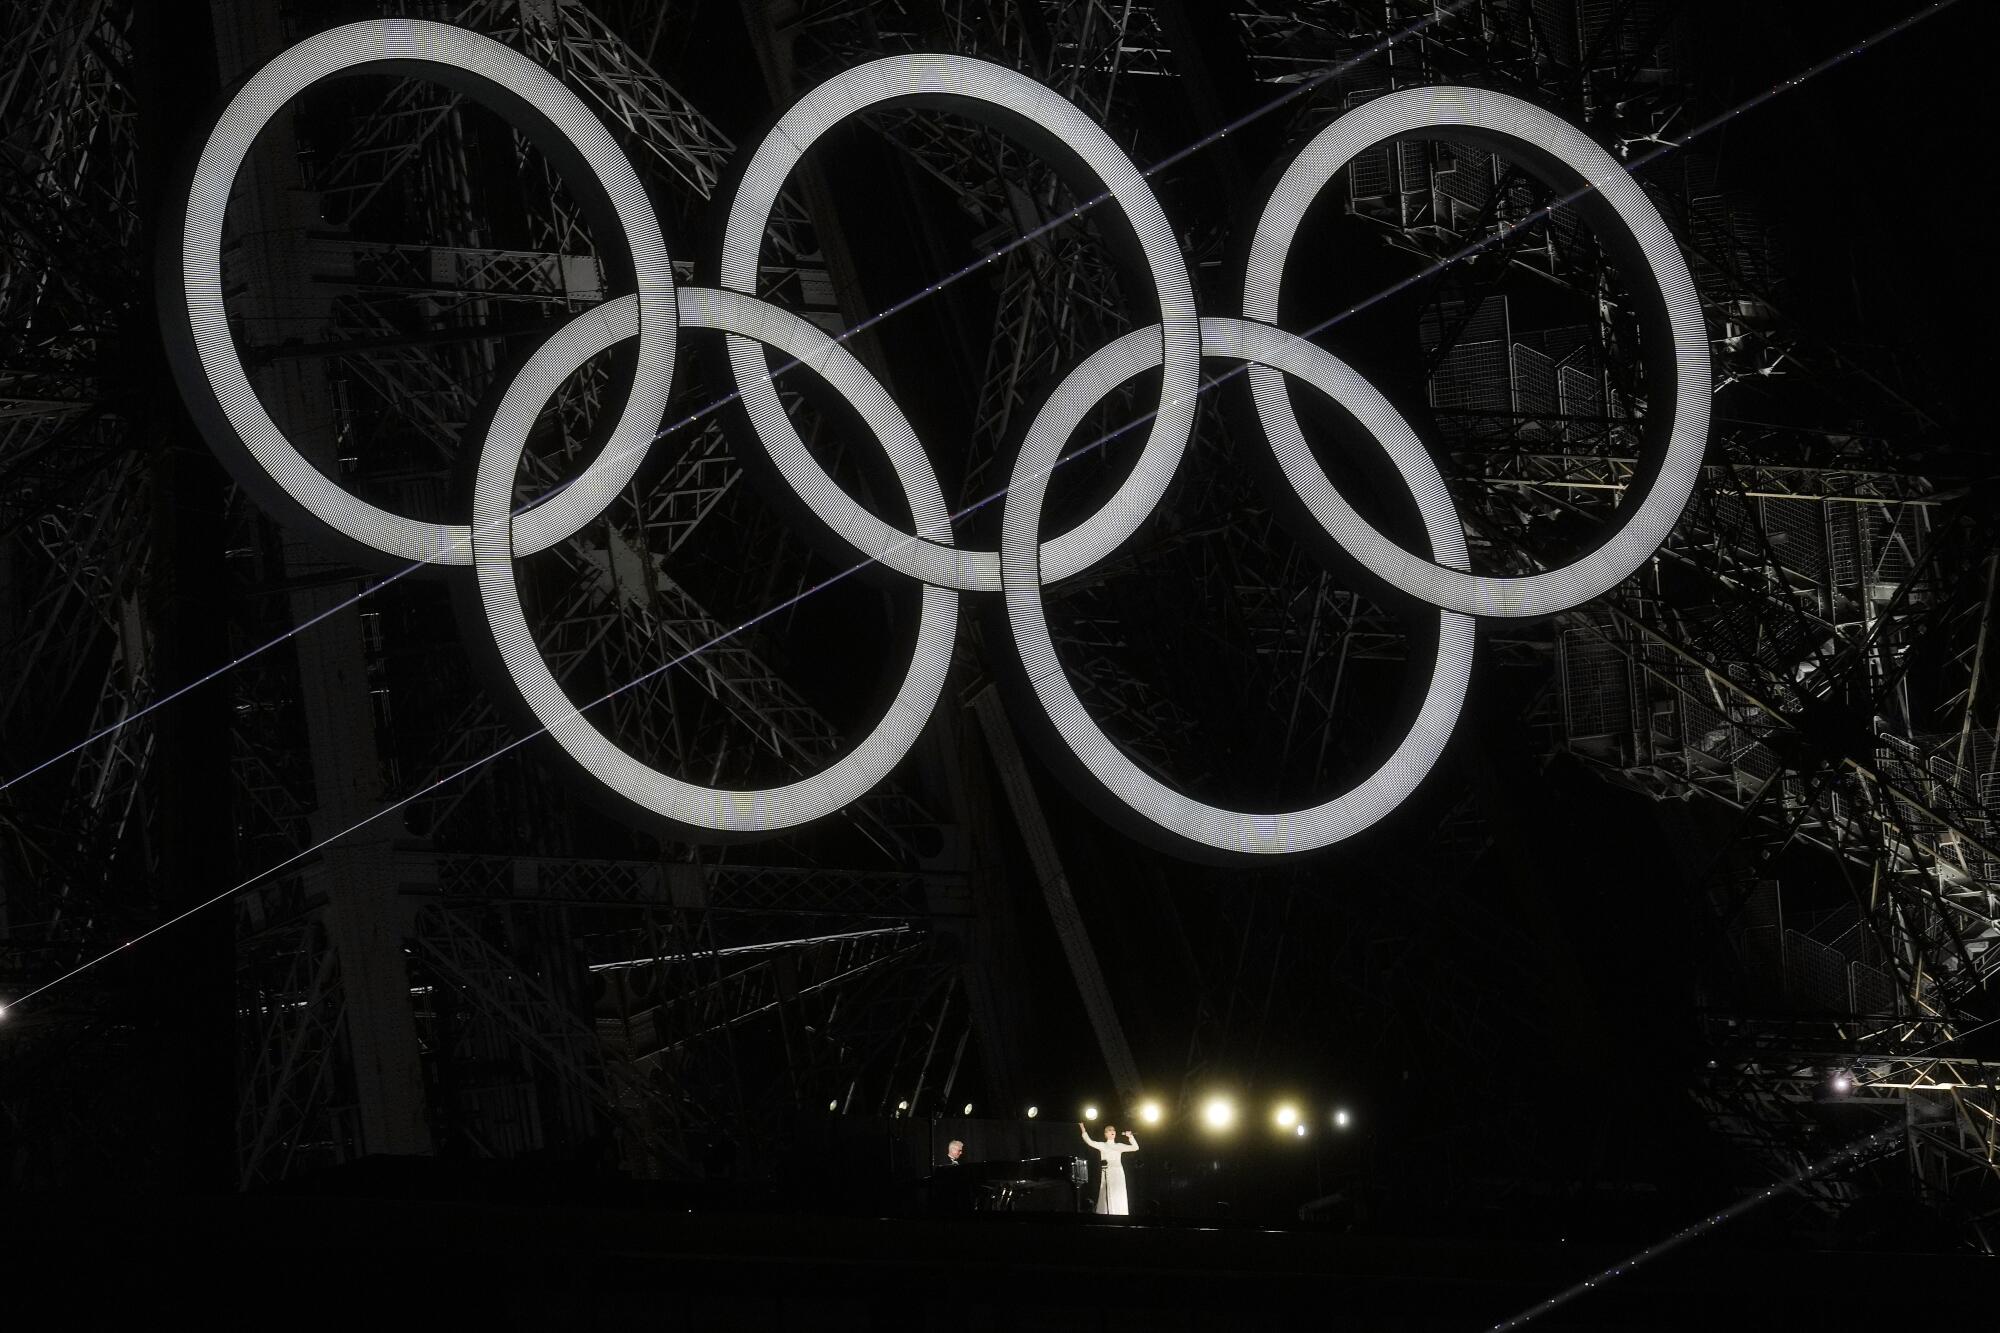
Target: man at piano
951 1183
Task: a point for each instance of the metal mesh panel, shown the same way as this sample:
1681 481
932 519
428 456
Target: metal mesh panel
1597 687
1413 167
1895 540
1843 544
1535 393
1370 178
1873 990
1797 529
1474 377
1555 25
1731 517
1464 183
1581 397
1704 729
1815 974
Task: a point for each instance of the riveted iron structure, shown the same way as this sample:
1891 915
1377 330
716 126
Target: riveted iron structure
440 949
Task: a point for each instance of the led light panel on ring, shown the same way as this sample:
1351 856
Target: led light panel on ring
215 381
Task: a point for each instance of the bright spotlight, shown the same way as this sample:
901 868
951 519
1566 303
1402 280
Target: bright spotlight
1220 1113
1341 1119
1302 1131
1842 1084
1286 1115
1150 1113
833 1105
1034 1111
968 1108
902 1106
1090 1113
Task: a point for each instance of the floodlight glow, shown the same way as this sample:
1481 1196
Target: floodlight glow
218 389
1220 1113
1034 1111
1341 1119
1150 1113
968 1108
833 1105
1302 1131
902 1106
1090 1113
1286 1116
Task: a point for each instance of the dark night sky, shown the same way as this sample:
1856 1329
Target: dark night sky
1871 170
1868 171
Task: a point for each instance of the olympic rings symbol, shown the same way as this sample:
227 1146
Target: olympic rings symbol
653 311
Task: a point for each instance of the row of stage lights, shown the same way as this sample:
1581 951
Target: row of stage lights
1218 1114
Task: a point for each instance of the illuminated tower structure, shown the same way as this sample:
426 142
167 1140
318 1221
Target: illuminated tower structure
493 968
1802 667
1801 680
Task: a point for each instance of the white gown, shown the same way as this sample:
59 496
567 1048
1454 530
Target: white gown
1111 1180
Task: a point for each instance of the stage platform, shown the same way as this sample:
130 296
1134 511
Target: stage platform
303 1261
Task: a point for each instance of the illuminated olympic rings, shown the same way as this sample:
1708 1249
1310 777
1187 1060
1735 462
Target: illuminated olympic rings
653 311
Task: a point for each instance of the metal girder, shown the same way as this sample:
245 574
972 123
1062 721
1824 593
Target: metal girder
620 610
540 1020
1782 1082
1766 658
1058 295
751 890
515 1057
75 497
1083 965
295 1109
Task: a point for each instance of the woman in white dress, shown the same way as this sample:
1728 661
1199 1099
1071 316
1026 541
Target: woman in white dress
1111 1180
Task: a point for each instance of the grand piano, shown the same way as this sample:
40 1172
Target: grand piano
1026 1185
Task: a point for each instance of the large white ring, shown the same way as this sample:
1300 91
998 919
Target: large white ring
1233 831
973 85
691 805
1436 112
1025 564
453 49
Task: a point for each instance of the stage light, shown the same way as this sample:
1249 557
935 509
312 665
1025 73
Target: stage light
902 1106
968 1108
1341 1119
1220 1113
1034 1111
833 1105
1842 1083
1286 1115
1302 1131
1150 1113
1090 1113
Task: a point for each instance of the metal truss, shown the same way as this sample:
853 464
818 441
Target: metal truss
1781 654
78 525
520 976
1295 635
1780 657
74 495
79 859
1058 297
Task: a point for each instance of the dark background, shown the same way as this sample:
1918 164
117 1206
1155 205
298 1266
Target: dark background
1870 175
